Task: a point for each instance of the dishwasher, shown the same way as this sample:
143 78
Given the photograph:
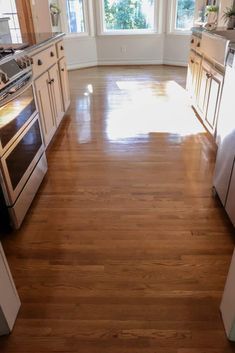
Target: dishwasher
224 176
224 181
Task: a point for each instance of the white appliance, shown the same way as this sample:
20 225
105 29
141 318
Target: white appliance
224 181
228 302
224 177
9 299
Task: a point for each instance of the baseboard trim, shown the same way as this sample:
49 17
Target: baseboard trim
175 63
82 65
129 62
124 62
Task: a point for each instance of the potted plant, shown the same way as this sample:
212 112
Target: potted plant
212 14
229 17
55 12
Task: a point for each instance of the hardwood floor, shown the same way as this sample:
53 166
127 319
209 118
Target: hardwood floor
124 249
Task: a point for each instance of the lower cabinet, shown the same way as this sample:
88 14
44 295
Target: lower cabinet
205 83
50 104
56 92
209 94
214 95
64 83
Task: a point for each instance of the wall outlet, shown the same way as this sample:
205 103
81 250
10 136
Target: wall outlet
123 49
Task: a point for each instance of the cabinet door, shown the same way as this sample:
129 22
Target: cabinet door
190 74
44 100
64 83
203 90
58 107
196 75
230 204
216 81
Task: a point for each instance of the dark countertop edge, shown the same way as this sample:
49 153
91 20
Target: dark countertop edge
42 44
197 31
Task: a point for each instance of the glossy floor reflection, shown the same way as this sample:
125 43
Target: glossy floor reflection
124 249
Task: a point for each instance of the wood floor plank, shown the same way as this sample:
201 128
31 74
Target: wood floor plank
124 249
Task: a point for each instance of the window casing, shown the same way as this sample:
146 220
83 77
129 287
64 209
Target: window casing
182 16
118 17
75 17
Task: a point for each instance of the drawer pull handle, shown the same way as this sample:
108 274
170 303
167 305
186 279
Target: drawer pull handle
61 47
39 62
51 81
52 54
62 69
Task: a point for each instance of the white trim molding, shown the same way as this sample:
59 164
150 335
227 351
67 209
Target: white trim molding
101 22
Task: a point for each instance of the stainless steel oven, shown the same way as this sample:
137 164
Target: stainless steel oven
23 161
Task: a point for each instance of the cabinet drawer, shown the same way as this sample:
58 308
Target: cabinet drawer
60 49
43 60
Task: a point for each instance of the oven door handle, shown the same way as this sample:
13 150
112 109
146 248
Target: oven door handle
12 93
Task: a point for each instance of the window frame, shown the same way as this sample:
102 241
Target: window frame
122 32
65 21
172 19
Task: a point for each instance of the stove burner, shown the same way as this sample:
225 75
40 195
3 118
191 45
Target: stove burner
4 52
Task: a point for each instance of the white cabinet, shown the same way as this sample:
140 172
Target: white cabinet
56 94
44 100
64 83
205 84
51 87
9 299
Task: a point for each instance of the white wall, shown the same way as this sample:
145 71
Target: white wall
176 49
130 49
80 52
162 48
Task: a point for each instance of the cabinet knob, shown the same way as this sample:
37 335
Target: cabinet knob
52 80
52 54
198 45
61 47
192 61
208 75
62 69
192 41
39 62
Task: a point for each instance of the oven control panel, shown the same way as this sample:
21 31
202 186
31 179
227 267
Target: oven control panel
14 68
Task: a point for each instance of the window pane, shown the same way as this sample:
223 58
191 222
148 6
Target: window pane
76 18
8 9
128 14
185 14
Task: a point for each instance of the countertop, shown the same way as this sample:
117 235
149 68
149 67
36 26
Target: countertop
39 40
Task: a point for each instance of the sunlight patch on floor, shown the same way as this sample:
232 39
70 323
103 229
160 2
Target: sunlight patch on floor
152 107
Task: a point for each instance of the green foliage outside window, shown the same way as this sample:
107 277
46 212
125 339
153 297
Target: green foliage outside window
185 14
129 14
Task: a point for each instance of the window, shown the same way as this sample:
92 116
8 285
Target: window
184 14
8 9
129 15
76 17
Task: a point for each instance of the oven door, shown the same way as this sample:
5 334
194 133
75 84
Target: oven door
16 111
20 160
